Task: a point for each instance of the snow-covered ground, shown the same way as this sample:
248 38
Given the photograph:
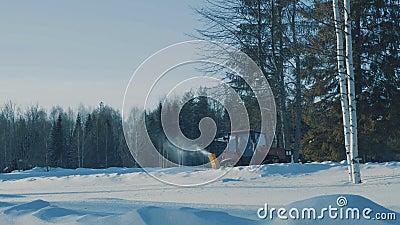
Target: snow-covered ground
131 196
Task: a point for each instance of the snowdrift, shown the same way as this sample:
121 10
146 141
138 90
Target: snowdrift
42 212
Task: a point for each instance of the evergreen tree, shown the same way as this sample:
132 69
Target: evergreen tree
89 157
77 143
56 147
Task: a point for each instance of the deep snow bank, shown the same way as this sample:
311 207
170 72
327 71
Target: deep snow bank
42 212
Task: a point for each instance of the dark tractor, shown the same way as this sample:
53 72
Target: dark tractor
256 143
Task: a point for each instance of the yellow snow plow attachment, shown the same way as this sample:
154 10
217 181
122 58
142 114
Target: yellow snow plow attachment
214 161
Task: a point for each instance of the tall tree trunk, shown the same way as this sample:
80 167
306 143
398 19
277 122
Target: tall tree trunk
298 86
351 95
342 83
82 153
277 45
106 137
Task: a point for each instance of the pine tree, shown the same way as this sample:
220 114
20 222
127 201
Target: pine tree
77 143
89 157
56 147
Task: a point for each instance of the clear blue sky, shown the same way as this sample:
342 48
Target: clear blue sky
71 52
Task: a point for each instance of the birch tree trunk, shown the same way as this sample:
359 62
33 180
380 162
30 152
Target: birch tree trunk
351 95
342 83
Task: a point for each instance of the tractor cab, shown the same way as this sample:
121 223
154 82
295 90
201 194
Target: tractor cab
242 145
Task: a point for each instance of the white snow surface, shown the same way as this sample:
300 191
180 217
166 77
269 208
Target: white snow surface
131 196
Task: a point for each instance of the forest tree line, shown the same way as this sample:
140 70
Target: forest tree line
61 138
92 138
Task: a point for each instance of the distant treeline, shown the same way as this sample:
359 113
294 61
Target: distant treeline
61 138
91 138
